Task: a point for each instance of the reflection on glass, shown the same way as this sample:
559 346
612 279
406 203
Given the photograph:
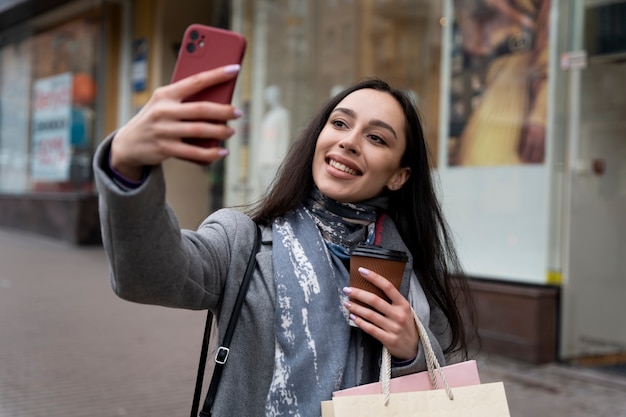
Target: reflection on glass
308 49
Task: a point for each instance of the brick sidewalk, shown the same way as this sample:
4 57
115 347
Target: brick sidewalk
70 348
556 390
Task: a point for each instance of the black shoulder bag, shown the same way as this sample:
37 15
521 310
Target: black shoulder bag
221 355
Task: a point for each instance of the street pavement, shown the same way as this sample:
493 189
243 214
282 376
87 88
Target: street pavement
70 348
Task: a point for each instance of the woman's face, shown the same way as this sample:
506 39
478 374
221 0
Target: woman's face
359 149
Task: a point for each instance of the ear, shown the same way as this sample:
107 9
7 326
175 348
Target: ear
398 179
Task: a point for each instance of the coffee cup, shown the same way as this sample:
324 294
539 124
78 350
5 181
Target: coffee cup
385 262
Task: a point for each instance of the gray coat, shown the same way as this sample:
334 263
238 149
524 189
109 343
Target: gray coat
152 261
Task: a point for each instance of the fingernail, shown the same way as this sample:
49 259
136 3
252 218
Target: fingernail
230 131
223 152
347 304
352 317
232 68
237 113
347 290
363 271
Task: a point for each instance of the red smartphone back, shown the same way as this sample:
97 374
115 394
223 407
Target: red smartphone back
204 48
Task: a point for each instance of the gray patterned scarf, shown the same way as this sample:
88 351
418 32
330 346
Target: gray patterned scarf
317 351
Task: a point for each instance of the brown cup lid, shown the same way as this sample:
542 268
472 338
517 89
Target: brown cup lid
375 251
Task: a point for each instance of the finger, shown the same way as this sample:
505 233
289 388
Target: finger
377 310
204 110
396 330
376 325
203 80
200 129
361 311
383 283
367 306
398 333
369 327
192 152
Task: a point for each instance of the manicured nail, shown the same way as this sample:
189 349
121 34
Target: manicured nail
232 68
347 290
352 317
230 131
364 271
347 304
223 152
237 113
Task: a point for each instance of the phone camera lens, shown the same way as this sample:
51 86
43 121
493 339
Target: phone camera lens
191 47
194 35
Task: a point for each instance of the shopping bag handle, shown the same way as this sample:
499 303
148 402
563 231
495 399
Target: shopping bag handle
432 363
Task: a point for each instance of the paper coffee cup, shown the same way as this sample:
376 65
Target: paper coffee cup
386 262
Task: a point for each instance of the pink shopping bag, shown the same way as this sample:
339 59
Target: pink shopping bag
460 374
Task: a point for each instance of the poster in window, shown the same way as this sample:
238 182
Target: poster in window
498 86
51 128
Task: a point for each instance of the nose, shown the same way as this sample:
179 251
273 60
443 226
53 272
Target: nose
350 143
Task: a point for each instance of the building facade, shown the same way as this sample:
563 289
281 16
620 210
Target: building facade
520 101
71 72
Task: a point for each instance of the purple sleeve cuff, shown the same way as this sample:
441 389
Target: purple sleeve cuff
399 363
123 182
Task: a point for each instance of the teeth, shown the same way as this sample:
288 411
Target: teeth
342 167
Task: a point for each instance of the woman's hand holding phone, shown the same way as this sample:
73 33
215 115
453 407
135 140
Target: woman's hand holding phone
156 132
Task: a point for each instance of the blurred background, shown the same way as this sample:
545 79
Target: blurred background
523 108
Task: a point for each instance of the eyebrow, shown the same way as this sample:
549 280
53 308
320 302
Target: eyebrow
374 122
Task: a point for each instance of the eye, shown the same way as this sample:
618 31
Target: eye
377 139
338 123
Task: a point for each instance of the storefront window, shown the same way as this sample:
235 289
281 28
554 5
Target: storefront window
303 52
47 99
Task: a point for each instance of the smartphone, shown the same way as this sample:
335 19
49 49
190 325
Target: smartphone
204 48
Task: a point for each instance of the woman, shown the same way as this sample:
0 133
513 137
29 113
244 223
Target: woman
359 170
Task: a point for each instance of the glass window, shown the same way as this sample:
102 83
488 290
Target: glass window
303 52
48 91
499 83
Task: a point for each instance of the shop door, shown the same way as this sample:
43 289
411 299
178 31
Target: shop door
594 287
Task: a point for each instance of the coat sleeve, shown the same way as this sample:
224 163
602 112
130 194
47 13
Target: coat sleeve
151 260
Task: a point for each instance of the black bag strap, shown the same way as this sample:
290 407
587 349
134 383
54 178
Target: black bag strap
221 355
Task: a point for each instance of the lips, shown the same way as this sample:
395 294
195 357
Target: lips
342 167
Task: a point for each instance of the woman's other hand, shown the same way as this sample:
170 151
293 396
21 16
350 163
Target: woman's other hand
392 323
155 133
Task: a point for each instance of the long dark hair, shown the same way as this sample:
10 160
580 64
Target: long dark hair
414 208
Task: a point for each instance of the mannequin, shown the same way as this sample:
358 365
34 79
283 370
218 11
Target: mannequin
274 137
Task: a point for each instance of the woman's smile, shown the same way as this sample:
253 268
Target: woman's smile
343 167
